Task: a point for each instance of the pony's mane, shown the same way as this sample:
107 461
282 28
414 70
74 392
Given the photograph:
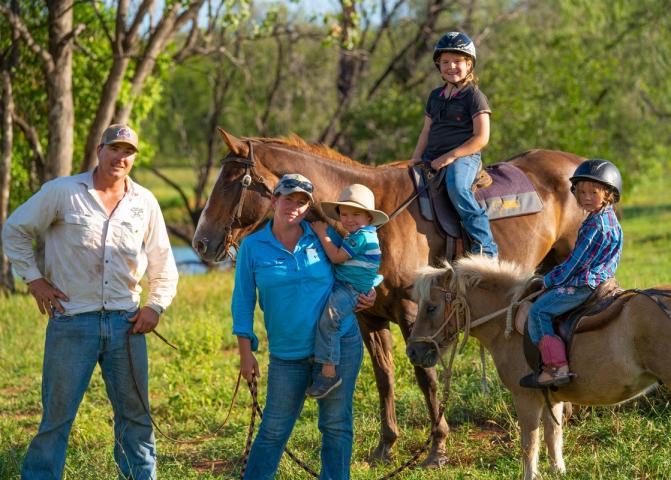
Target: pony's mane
297 142
473 270
469 272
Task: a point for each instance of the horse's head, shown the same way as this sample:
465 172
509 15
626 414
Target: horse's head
434 329
239 201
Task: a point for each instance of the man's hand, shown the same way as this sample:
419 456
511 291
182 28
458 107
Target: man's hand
415 161
249 367
366 300
319 228
145 320
47 296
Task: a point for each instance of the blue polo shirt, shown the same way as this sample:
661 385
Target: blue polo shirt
292 287
360 271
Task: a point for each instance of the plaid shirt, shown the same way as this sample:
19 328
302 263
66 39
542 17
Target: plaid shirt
595 256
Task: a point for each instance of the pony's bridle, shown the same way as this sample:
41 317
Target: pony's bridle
249 177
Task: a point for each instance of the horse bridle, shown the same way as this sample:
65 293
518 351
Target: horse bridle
249 177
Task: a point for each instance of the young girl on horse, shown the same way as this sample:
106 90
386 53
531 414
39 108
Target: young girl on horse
456 129
596 185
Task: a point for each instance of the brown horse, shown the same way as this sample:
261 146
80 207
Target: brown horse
615 363
240 202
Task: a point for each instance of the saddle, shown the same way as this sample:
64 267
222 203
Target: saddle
502 189
605 303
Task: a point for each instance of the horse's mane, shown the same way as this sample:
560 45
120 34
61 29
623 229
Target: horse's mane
297 142
469 272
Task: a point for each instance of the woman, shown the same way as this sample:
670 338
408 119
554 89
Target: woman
287 265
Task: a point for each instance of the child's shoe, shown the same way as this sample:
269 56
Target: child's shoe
554 377
323 386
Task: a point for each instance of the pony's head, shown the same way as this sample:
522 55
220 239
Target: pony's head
448 296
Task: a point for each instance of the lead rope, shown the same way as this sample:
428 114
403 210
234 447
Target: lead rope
145 406
256 408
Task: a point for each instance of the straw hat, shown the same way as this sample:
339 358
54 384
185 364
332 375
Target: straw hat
357 196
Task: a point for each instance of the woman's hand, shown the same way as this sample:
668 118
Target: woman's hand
366 300
249 367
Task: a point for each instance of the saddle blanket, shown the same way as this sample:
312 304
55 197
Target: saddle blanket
510 194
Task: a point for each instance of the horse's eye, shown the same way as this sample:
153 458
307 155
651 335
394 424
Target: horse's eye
431 308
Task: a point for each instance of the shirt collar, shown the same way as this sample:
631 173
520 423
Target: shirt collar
460 93
266 235
86 178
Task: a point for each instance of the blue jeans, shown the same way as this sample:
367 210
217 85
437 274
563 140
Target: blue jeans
458 179
552 303
74 344
341 303
287 382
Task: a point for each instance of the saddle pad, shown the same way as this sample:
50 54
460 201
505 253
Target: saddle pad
510 194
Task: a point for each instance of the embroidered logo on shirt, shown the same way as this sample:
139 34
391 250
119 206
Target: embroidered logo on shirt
312 255
137 212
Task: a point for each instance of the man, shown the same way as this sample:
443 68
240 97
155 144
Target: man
102 232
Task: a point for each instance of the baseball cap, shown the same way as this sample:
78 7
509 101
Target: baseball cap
119 133
292 183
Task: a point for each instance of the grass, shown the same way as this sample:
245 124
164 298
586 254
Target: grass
191 389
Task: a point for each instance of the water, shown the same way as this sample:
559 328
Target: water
188 262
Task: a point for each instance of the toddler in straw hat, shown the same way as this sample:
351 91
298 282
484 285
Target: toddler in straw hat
356 264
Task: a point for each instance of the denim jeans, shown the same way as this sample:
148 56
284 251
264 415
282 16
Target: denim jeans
552 303
74 344
287 382
341 303
458 179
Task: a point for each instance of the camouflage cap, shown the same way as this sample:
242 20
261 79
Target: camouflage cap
119 133
292 183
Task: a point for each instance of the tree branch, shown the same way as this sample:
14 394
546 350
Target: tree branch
17 23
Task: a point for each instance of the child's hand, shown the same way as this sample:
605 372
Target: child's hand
441 162
319 227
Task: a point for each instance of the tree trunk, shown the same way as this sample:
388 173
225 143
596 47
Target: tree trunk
59 90
6 134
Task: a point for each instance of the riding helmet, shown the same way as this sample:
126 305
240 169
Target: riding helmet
600 171
454 42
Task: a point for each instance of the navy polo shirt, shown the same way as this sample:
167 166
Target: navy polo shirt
452 119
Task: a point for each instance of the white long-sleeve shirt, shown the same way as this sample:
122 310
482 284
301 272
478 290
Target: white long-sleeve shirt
95 259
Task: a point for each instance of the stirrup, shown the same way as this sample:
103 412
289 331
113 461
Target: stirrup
557 378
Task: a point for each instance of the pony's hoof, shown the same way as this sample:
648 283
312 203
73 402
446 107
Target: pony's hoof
435 460
381 455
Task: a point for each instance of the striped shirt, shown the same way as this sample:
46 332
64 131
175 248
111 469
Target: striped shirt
595 256
360 271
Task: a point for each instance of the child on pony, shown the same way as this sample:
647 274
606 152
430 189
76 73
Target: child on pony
596 185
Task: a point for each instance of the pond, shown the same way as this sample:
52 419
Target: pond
188 261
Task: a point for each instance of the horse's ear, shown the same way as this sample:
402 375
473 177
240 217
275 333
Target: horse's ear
234 144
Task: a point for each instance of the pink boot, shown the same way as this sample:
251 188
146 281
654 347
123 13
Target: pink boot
555 365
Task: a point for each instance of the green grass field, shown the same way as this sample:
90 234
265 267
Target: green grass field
191 389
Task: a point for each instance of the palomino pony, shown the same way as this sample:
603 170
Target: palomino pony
621 360
240 203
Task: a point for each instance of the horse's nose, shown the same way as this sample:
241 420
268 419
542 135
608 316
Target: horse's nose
412 353
200 246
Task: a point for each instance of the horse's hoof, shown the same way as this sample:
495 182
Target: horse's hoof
381 455
435 460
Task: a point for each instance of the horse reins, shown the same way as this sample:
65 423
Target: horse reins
248 178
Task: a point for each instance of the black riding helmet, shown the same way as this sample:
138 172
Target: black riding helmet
457 42
600 171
